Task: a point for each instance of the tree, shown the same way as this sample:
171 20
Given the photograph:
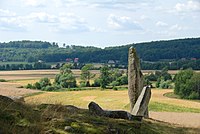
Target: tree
65 79
187 84
181 80
193 87
104 76
86 75
44 82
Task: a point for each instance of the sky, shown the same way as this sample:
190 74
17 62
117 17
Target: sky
99 23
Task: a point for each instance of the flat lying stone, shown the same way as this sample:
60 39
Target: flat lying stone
94 108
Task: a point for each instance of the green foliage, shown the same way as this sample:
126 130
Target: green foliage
29 86
44 82
187 84
97 83
157 52
162 78
65 79
104 76
181 79
123 80
37 85
86 75
114 83
3 80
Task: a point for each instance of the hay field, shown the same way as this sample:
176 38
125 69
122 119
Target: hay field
27 74
108 99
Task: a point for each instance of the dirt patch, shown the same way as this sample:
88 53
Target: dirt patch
89 98
183 119
11 89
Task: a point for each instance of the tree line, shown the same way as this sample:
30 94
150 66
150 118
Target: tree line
158 53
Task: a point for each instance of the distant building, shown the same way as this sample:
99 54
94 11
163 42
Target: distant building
68 60
193 58
40 61
76 60
111 62
183 59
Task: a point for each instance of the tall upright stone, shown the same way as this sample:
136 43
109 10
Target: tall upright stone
135 77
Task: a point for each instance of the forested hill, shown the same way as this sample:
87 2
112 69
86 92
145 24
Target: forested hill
32 51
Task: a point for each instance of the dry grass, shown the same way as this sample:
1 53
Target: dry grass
10 89
108 99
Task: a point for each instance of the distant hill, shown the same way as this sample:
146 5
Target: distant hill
154 51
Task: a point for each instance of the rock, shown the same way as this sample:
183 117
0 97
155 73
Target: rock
19 99
135 77
94 108
68 128
141 106
5 99
12 98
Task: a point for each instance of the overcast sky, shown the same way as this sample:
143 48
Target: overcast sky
98 23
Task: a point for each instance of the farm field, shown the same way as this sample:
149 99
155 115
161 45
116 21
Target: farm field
161 107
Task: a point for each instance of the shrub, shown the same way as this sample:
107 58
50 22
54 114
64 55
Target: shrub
193 96
122 80
115 88
187 84
82 84
49 88
44 82
96 83
37 85
29 86
3 80
114 83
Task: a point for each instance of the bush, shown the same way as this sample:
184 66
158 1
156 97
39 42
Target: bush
193 96
44 82
187 84
114 83
82 84
165 84
96 83
115 88
29 86
122 80
2 80
37 85
49 88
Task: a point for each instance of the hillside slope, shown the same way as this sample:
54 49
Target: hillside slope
50 52
47 118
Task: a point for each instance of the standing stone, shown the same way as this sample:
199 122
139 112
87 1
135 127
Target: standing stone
141 105
135 77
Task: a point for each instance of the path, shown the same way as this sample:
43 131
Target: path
10 89
183 119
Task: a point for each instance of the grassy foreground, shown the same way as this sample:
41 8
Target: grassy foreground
49 118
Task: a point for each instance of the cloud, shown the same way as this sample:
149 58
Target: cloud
6 13
190 5
69 22
12 24
42 17
177 27
161 24
122 23
35 3
61 23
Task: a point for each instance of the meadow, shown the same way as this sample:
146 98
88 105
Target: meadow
108 99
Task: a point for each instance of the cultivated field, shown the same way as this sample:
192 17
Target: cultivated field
108 99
